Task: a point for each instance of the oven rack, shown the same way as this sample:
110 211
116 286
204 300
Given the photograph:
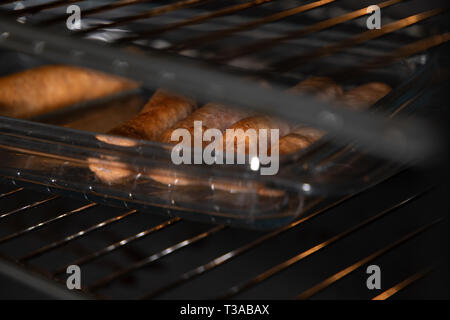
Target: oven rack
119 263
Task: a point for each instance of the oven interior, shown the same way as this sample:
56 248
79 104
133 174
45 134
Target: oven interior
397 221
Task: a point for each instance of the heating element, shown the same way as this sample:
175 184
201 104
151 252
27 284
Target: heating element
128 253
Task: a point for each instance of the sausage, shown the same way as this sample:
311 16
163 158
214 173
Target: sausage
298 139
241 141
39 90
162 111
221 117
325 89
218 117
358 98
365 96
212 115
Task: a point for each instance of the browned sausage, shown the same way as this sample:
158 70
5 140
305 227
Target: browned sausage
218 117
212 115
44 89
365 96
298 139
162 111
358 98
241 141
323 88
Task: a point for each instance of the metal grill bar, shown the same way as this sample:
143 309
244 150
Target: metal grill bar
288 263
189 275
10 192
214 36
154 257
402 285
28 206
147 14
74 236
118 245
45 223
194 20
292 62
316 27
341 274
416 47
402 52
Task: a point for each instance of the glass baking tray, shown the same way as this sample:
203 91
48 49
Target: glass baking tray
48 155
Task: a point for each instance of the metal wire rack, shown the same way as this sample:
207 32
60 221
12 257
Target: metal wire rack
110 15
120 257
